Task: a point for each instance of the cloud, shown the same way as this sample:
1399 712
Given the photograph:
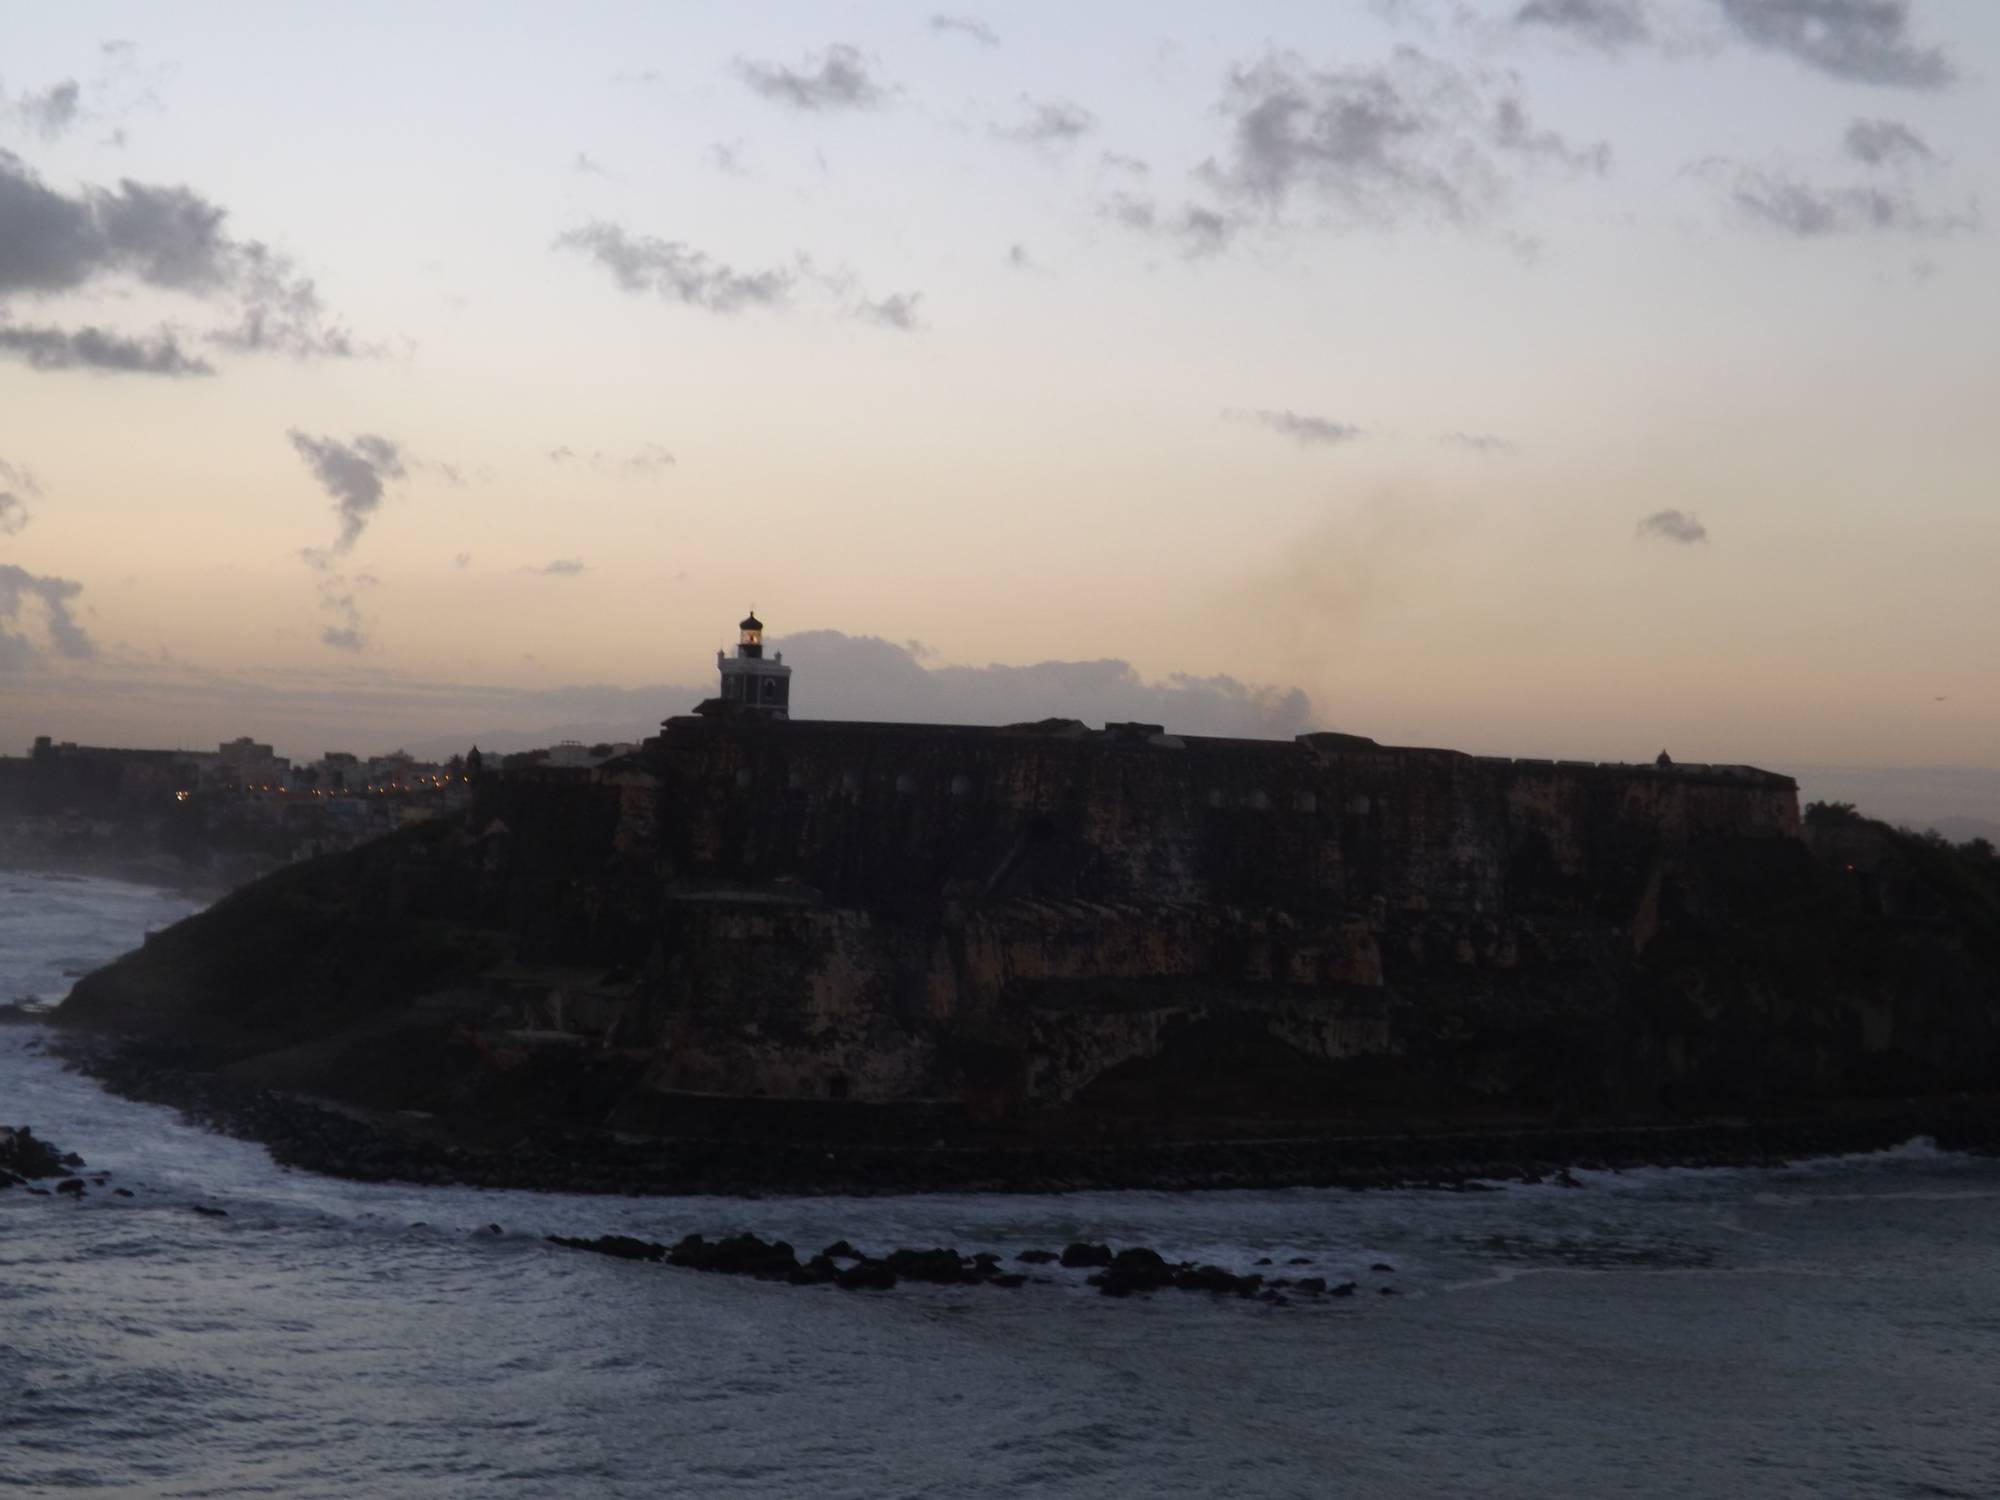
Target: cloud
1513 131
726 156
648 461
1307 431
584 166
1196 229
1118 161
677 272
170 238
970 26
1674 526
864 677
1412 138
53 111
1478 442
1882 143
1610 25
1810 211
1052 125
1864 41
15 481
840 80
1018 258
91 348
19 590
897 310
562 567
462 560
343 638
354 474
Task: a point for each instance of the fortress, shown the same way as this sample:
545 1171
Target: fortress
1013 916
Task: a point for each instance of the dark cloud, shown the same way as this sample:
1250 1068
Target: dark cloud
897 310
53 111
1886 143
840 80
1305 430
1674 526
1052 125
99 349
562 567
1412 138
354 474
166 237
20 589
1865 41
1812 211
1611 25
677 272
1478 442
970 26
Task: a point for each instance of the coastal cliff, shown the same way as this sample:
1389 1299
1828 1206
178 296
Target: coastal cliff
1044 934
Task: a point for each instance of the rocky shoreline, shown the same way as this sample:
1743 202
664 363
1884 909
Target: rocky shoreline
377 1146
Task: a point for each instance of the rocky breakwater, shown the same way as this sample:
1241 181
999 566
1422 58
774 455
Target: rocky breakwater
1134 1270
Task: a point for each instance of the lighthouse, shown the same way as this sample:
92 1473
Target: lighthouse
751 684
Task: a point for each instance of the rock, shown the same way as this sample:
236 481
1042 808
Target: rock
1299 1260
1081 1254
1310 1285
1138 1258
72 1186
739 1255
1345 1289
1382 1265
941 1266
1008 1279
1037 1257
866 1276
210 1213
1388 1291
816 1272
121 1192
618 1246
1264 1260
841 1250
491 1229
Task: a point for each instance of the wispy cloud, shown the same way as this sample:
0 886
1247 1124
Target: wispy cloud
53 111
838 79
1609 25
562 567
898 310
1478 442
16 481
1307 431
675 271
1050 125
1886 143
967 26
1673 526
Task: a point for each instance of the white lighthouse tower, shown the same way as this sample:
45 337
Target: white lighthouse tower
750 684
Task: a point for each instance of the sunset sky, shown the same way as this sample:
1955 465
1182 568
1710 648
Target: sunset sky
1550 377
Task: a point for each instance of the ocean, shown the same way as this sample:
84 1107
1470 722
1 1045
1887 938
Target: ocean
1831 1328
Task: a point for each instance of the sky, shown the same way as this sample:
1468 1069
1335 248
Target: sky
1551 377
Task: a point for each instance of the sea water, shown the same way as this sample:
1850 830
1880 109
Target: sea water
1828 1329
